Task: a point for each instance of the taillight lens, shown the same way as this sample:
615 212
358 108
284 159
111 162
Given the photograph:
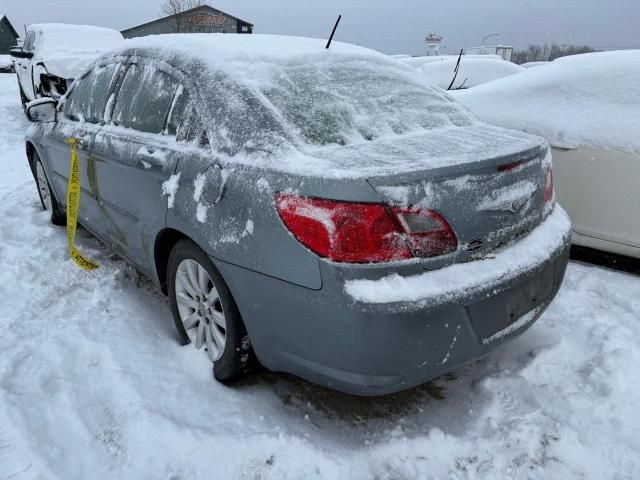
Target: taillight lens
364 232
428 233
549 193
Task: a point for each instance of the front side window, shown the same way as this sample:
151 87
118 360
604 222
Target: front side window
87 100
145 99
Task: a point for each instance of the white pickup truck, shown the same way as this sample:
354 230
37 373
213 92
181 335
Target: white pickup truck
54 54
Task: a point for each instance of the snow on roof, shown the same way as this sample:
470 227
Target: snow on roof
583 100
474 70
57 37
206 7
217 48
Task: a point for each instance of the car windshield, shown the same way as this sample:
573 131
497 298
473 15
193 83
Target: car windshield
355 100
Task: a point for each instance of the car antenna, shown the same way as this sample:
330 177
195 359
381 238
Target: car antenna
456 69
335 27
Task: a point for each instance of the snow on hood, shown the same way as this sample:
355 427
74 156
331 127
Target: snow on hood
584 100
473 71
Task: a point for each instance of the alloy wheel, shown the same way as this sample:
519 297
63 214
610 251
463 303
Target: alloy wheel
200 308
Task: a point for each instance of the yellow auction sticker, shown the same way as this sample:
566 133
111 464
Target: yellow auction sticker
73 207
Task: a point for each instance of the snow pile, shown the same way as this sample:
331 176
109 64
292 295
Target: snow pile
473 71
451 282
5 61
584 100
93 383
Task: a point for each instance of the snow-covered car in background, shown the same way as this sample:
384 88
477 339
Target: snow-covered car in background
588 108
420 61
355 226
6 64
52 55
474 70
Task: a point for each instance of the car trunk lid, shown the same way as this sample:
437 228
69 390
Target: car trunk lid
490 199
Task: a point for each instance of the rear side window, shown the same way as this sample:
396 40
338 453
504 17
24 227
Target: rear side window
145 99
87 100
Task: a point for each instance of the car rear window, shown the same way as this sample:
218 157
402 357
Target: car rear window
355 100
87 100
145 99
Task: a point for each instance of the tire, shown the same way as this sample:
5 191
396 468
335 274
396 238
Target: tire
188 287
47 199
24 100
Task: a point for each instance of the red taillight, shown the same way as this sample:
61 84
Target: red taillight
548 186
428 233
364 232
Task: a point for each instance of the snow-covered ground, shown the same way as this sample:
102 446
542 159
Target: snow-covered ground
94 385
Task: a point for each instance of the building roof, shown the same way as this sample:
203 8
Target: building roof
5 18
182 13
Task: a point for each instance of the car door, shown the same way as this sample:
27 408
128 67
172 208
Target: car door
24 68
81 118
135 154
598 188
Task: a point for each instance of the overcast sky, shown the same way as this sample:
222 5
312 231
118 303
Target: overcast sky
390 26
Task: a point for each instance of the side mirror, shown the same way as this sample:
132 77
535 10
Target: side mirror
42 110
20 53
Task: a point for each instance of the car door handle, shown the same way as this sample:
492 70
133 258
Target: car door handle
152 158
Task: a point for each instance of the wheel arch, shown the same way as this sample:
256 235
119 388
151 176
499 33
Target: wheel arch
31 150
166 239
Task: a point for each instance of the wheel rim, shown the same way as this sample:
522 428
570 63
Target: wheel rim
200 309
43 187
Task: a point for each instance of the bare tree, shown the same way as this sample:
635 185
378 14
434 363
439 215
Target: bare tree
177 8
536 53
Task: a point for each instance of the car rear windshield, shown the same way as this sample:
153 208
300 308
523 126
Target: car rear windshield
351 101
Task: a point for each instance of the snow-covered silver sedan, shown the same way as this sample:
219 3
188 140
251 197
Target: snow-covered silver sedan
319 209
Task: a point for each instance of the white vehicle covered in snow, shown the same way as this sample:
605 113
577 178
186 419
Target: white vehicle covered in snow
588 108
473 70
53 54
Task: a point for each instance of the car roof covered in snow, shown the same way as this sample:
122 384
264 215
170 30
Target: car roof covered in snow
590 100
63 37
235 50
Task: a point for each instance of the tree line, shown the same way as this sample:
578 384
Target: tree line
547 53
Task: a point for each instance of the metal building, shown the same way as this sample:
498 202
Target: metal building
204 19
8 35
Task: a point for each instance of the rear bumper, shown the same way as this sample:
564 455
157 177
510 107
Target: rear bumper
366 348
